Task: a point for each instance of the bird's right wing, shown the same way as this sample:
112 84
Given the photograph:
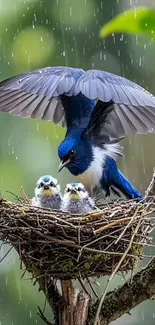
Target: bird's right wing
37 94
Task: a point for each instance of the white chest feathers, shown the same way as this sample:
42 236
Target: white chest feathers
92 176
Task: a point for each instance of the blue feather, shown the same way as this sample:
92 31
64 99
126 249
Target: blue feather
78 110
112 176
46 179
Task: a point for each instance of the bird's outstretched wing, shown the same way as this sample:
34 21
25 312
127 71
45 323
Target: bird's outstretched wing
134 109
110 122
36 94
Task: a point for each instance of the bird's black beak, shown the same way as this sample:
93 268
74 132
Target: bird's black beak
46 187
63 164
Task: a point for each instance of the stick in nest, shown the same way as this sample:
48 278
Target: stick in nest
26 199
97 322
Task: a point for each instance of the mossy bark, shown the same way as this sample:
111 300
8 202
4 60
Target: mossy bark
119 302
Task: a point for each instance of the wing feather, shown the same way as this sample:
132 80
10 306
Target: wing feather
37 94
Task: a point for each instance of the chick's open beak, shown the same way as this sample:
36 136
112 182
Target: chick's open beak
63 164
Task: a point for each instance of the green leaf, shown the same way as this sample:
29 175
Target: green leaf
140 20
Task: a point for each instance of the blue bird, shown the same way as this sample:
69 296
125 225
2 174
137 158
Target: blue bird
47 193
76 200
97 108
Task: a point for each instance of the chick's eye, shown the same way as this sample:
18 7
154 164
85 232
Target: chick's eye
40 185
72 153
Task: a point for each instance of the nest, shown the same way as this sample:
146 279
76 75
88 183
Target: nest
62 246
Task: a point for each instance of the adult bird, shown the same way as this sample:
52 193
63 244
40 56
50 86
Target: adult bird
97 108
47 193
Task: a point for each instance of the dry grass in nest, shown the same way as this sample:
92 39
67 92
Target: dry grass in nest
58 245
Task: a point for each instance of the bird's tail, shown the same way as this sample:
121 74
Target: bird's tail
123 184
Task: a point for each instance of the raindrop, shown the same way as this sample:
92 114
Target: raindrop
122 38
35 18
70 10
142 315
140 61
143 160
9 142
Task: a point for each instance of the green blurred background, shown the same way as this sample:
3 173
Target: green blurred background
39 33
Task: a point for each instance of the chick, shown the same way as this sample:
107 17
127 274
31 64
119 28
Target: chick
76 200
47 193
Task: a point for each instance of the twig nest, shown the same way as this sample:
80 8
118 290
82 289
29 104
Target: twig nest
56 244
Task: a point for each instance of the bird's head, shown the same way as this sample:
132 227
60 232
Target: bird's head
47 186
75 191
75 155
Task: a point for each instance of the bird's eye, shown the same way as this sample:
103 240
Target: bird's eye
40 185
72 153
52 184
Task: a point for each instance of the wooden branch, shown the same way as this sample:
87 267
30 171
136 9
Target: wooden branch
69 294
81 313
119 302
75 309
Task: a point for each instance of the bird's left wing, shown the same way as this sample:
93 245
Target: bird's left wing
134 109
37 94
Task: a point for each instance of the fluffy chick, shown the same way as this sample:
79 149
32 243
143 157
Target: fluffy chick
76 200
47 193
